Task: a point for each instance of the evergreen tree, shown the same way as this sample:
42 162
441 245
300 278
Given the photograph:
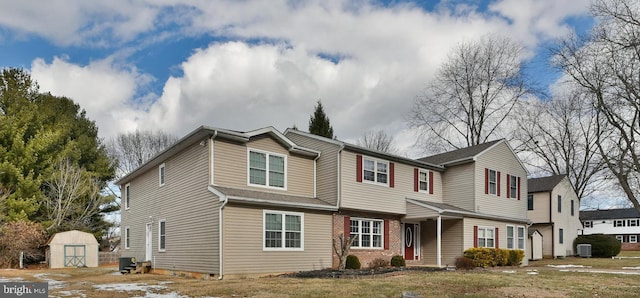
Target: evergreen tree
319 123
37 132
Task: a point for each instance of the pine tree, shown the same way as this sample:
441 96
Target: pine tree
319 123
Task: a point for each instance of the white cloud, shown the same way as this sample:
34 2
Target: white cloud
386 56
101 88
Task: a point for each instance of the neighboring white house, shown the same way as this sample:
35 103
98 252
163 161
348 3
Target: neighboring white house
553 207
624 224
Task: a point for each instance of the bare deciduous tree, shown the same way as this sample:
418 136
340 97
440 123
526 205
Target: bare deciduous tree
471 96
341 248
20 236
72 198
378 140
131 150
606 66
562 135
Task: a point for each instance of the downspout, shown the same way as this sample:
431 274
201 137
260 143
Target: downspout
338 201
224 203
553 226
315 176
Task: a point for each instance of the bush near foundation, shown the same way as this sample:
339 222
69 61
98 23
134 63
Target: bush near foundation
491 257
352 262
378 263
602 246
464 263
398 261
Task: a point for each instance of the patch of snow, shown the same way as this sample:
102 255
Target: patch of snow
568 266
508 271
3 280
532 273
53 284
631 268
73 293
603 271
129 287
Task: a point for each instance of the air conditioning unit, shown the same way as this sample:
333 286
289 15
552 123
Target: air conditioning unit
584 250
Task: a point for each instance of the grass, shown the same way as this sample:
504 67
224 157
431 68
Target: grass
493 282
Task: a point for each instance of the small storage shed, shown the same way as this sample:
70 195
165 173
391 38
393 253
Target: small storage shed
72 249
535 245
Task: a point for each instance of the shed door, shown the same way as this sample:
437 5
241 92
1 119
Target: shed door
75 255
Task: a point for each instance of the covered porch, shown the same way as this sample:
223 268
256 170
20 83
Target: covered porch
433 233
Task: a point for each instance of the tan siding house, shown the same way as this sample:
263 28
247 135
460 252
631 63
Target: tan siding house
227 202
217 201
554 209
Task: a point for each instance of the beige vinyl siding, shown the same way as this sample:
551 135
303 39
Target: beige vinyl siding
189 209
458 186
243 246
451 246
571 225
547 238
230 166
469 223
418 212
540 212
327 167
377 197
500 158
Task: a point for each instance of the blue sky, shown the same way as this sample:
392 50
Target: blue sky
175 65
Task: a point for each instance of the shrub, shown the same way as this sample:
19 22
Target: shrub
352 262
602 246
378 263
515 257
398 261
21 236
481 256
464 263
500 257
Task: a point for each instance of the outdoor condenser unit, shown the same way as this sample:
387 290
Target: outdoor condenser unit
584 250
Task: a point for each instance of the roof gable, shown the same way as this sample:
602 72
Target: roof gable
544 184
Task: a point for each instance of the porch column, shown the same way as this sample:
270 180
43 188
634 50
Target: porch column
439 240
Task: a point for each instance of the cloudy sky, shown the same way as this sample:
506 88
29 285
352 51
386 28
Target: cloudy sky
178 64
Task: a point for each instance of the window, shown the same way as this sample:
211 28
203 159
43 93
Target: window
161 174
375 170
486 237
572 208
633 238
267 169
632 223
529 202
521 237
618 223
127 238
126 196
367 233
513 187
510 237
619 237
423 181
493 182
162 235
561 236
559 204
515 237
588 224
283 230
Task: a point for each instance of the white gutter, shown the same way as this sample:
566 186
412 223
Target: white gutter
315 176
225 201
212 156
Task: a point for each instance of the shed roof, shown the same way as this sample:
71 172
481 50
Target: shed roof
72 237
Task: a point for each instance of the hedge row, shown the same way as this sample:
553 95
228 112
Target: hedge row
491 257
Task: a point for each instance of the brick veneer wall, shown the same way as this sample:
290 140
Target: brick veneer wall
630 246
367 255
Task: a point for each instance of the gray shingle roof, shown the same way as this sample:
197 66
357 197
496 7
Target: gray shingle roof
271 198
609 214
543 184
460 154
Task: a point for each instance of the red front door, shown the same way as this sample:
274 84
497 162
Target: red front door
409 241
